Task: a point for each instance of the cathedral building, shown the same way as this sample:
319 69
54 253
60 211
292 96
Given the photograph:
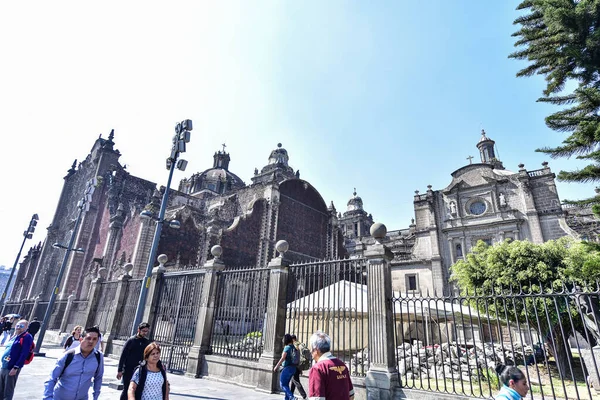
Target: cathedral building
211 207
483 201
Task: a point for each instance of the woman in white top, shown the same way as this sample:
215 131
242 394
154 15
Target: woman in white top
74 340
149 381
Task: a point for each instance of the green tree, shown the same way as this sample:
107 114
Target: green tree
550 267
561 41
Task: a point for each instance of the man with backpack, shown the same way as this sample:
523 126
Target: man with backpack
300 366
131 356
73 373
18 350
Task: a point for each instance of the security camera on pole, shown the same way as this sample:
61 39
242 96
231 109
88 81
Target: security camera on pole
83 205
182 136
28 234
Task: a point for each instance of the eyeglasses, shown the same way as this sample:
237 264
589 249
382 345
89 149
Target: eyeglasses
20 326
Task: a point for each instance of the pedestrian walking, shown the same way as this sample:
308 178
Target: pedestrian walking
75 339
296 378
149 381
34 327
328 379
17 352
76 371
131 356
6 327
514 383
287 362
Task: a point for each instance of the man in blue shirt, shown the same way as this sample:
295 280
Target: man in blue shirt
15 353
72 375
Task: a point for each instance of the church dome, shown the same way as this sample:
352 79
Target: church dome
217 179
355 203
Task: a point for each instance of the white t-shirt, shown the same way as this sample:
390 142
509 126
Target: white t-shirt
153 385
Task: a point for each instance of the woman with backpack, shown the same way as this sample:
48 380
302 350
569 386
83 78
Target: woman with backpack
289 366
75 339
149 381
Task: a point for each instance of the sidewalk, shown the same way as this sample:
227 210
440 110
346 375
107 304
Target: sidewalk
30 385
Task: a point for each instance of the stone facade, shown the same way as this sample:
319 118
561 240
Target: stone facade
483 201
213 207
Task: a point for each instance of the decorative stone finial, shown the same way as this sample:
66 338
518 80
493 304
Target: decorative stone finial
354 193
111 136
416 192
162 259
521 167
128 269
378 231
216 251
282 246
545 164
279 145
102 273
429 188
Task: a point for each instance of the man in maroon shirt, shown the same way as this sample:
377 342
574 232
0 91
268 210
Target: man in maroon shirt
329 378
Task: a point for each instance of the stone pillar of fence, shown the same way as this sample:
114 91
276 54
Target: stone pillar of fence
116 314
65 318
94 297
382 377
152 297
204 324
36 303
274 321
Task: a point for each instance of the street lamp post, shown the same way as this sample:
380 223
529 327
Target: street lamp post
28 234
83 205
181 137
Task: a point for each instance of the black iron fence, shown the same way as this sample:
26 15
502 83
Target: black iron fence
176 315
26 309
77 315
240 310
127 315
57 314
331 296
453 343
106 303
11 308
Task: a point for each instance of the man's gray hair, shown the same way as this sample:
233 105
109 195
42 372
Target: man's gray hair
320 341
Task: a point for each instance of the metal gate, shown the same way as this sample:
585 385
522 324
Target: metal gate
176 314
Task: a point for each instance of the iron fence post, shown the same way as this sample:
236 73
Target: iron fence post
274 320
204 324
382 377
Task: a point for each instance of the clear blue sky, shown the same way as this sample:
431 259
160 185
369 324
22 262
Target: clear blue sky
386 96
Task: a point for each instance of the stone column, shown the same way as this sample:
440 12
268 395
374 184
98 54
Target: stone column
36 303
382 377
114 319
452 250
65 319
154 283
464 247
204 324
94 297
274 321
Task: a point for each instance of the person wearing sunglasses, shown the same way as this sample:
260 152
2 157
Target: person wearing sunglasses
15 353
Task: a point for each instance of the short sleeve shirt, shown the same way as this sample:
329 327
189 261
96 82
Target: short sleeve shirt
288 359
153 385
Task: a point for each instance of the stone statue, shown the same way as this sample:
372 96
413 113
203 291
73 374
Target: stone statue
502 200
459 252
452 208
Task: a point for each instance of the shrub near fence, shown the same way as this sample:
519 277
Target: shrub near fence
331 296
452 344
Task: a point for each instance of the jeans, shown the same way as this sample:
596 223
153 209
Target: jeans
284 380
296 384
7 384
